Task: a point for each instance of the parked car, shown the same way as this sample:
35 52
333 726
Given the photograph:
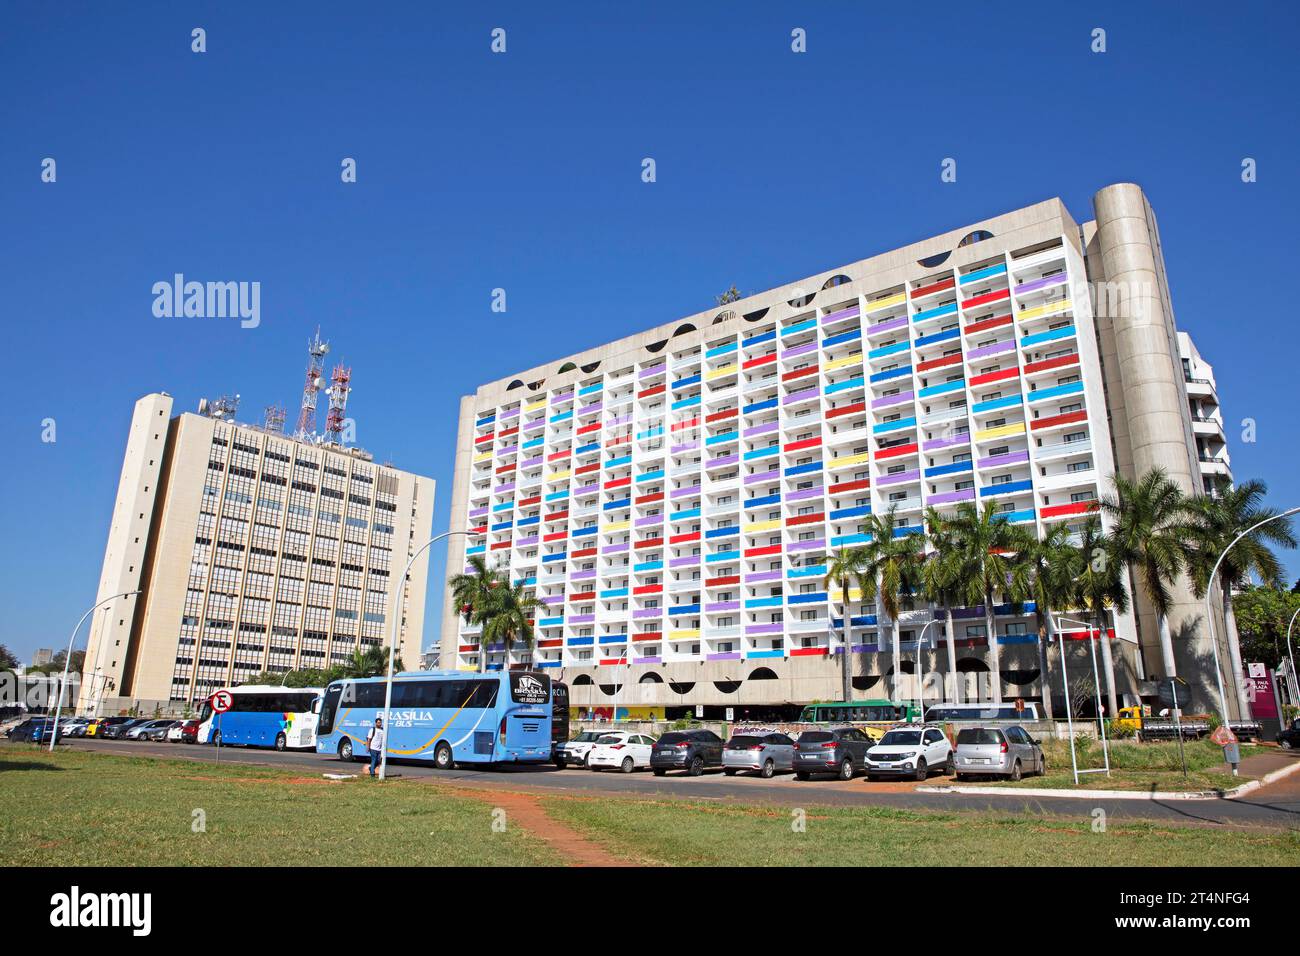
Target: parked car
178 733
1289 739
621 749
575 750
838 750
910 752
76 727
691 750
998 751
159 731
141 731
34 729
115 728
765 753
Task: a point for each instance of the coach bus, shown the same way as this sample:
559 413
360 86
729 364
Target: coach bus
263 715
445 717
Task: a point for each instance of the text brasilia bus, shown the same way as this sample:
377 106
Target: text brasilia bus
446 717
263 715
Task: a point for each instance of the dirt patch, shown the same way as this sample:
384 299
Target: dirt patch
525 810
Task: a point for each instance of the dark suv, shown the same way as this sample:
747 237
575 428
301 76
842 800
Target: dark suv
838 750
689 750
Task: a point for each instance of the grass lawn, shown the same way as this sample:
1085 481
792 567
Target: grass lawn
1134 766
87 809
683 834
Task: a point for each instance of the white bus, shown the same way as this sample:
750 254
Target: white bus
263 715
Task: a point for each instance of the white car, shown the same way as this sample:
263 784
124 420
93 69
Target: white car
575 750
910 752
622 750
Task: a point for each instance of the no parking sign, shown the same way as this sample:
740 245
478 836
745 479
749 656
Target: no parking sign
222 701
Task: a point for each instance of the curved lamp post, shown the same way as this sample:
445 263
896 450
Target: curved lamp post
1209 614
1290 650
392 651
67 661
1096 685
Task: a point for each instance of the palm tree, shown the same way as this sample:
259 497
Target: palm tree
474 592
370 661
1099 587
508 618
891 559
846 571
1051 562
989 554
938 576
1214 520
1147 532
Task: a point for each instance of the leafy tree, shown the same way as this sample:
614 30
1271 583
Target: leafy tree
372 661
508 618
846 572
1052 562
8 661
891 561
1098 588
939 574
1262 615
731 295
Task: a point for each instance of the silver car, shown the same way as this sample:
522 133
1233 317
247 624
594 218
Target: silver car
765 753
997 751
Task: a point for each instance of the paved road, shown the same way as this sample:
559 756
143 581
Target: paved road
1275 806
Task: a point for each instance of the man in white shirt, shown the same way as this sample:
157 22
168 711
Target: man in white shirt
375 743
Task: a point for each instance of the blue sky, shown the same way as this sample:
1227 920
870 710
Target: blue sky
522 171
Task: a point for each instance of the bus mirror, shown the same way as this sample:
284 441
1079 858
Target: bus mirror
315 705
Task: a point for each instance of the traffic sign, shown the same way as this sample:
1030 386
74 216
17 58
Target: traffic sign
222 701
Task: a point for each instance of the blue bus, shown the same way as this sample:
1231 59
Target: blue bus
446 717
263 715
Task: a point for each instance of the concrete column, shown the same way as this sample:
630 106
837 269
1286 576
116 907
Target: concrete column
457 521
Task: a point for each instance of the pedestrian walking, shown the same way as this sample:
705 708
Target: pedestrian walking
375 743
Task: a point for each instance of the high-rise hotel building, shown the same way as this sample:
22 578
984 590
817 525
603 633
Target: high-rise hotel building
673 497
253 551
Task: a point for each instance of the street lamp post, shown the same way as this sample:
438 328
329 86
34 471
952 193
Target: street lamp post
67 661
920 667
1209 614
392 651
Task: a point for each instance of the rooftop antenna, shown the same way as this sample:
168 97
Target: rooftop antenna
340 386
316 351
273 419
222 408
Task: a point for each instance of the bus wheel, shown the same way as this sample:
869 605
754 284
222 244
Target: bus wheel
216 737
345 749
280 742
442 756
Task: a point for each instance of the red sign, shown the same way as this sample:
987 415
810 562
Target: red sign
1223 735
222 701
1259 692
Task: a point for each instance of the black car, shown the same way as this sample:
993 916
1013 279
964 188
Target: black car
691 750
838 750
1290 738
34 729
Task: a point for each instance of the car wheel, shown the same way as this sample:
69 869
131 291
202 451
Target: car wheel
281 742
960 776
922 770
950 766
769 768
1042 764
345 749
846 768
1015 771
801 774
1287 745
442 758
697 766
559 762
627 766
659 772
586 761
730 771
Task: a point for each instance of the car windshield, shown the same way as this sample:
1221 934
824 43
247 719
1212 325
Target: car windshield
901 738
978 736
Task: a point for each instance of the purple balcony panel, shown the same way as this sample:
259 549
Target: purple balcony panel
848 313
653 370
685 562
806 545
614 548
648 612
583 575
508 451
765 576
723 657
724 460
934 443
763 476
966 494
806 493
997 349
683 492
529 462
865 648
533 426
801 395
799 350
689 446
889 400
895 479
1040 284
523 541
888 326
562 397
510 414
1011 458
582 619
723 606
586 490
588 409
497 647
647 660
509 486
764 628
619 420
477 512
554 599
762 429
646 522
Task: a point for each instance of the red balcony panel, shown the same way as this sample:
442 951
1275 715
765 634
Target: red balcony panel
940 362
971 642
506 468
530 501
588 429
1084 635
1066 419
760 552
684 538
557 536
800 445
468 648
619 440
1006 373
648 543
553 642
618 482
556 515
587 469
653 390
690 423
847 410
484 438
985 324
800 373
584 553
648 636
559 455
994 296
722 415
648 499
499 545
805 519
761 360
933 287
1074 508
720 582
808 652
1061 361
613 661
585 597
508 432
649 589
846 486
897 451
481 529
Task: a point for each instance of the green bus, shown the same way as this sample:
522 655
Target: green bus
873 711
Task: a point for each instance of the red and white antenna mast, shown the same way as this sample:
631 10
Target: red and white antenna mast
340 386
316 351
